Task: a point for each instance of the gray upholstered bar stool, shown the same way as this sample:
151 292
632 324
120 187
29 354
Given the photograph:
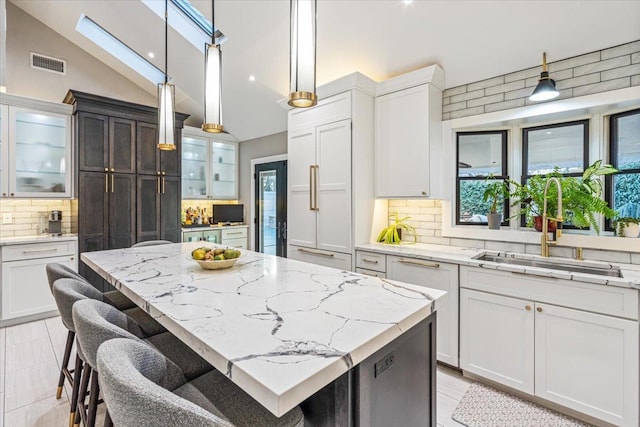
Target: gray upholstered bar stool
67 292
97 322
151 243
143 388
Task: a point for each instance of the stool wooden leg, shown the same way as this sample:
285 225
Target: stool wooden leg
77 372
107 419
65 362
84 384
93 399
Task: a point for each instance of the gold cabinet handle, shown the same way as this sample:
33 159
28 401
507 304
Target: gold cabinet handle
370 261
527 307
163 187
315 184
310 251
106 182
33 251
158 185
419 263
113 185
539 309
310 187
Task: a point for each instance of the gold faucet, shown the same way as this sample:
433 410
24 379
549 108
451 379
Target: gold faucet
544 240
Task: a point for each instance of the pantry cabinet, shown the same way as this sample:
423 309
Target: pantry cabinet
35 149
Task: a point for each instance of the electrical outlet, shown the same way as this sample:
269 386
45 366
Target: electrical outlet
7 218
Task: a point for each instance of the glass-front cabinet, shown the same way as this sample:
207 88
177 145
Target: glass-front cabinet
35 151
209 165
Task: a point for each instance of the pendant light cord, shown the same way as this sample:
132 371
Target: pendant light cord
213 25
166 40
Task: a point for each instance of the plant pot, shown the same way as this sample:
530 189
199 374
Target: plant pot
631 230
494 220
537 224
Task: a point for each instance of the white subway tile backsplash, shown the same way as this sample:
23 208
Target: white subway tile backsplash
635 80
504 246
454 90
524 74
608 64
602 87
520 93
519 84
467 243
557 76
453 107
468 112
27 213
576 61
624 49
467 95
505 105
635 258
608 256
494 81
615 73
498 97
578 81
446 100
635 58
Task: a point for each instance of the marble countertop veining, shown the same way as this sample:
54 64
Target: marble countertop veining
5 241
281 329
466 256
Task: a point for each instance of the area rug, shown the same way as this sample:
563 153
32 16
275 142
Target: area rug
484 406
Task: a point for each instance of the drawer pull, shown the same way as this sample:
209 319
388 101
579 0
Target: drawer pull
527 307
419 263
234 233
309 251
539 309
33 251
369 274
370 261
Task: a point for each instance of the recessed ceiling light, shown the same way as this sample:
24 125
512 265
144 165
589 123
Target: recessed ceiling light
151 55
252 78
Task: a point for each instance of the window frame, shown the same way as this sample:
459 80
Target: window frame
613 160
504 176
525 157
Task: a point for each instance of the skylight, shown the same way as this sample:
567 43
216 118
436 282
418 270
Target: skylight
187 21
110 43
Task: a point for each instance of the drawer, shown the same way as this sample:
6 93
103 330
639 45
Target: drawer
320 257
371 273
38 250
371 261
236 243
611 300
234 233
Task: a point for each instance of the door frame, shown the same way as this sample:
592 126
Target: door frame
254 162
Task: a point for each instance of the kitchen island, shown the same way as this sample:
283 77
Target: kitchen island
347 347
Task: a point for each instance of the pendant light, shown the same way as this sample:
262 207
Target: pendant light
302 68
213 83
546 88
166 98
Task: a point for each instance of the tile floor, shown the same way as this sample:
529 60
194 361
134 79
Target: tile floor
30 357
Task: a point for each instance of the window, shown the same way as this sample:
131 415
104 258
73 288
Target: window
561 146
480 155
623 188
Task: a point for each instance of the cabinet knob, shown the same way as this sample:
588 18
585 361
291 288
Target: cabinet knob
71 258
106 169
163 173
539 309
424 193
13 194
158 172
527 307
4 194
113 170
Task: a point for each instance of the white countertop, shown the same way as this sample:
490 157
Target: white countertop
465 256
5 241
280 329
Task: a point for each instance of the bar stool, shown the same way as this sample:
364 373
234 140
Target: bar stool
97 322
141 387
151 243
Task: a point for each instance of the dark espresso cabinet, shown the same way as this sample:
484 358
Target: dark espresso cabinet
128 191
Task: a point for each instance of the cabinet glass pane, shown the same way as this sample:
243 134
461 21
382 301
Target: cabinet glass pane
40 153
223 169
194 166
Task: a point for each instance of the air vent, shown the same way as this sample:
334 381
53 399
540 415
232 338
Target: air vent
47 63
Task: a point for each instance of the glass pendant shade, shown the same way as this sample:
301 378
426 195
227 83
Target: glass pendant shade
166 116
302 69
213 89
546 88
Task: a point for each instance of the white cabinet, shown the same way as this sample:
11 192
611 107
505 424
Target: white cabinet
235 237
35 149
496 338
559 340
25 288
409 135
209 166
436 275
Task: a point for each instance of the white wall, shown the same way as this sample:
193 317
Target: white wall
84 73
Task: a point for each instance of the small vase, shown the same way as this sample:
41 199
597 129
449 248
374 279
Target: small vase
537 224
494 220
631 230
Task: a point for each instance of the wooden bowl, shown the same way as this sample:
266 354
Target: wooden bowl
217 265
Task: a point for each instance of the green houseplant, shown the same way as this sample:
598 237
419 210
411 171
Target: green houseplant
494 192
393 233
581 197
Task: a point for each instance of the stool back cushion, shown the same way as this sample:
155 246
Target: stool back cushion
57 271
67 292
151 243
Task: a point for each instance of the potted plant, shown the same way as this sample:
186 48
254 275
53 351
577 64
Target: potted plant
494 192
626 227
393 233
581 200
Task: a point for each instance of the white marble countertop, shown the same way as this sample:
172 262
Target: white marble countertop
280 329
465 256
5 241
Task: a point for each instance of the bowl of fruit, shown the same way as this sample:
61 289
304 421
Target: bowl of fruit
215 259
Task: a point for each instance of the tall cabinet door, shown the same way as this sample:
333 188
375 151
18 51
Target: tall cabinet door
122 145
93 146
333 186
148 207
488 322
588 362
122 206
301 229
148 156
170 209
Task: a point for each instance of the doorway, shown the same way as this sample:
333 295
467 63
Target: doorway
270 221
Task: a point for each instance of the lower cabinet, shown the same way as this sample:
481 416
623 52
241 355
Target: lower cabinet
235 237
25 288
320 257
436 275
583 360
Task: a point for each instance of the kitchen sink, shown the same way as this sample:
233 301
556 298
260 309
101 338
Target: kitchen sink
553 265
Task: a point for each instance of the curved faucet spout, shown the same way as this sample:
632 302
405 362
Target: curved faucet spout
544 240
546 189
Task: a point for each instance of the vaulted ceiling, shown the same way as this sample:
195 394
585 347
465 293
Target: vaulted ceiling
471 40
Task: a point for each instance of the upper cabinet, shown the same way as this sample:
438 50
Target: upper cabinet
35 148
209 165
408 136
